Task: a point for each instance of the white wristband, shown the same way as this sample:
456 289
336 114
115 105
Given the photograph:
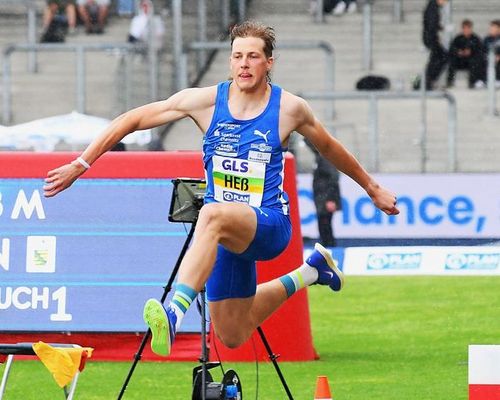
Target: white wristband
85 164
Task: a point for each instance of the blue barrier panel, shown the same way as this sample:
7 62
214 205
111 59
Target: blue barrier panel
88 259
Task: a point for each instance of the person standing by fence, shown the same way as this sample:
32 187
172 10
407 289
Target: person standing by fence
438 57
326 193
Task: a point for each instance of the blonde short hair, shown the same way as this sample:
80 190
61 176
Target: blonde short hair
258 30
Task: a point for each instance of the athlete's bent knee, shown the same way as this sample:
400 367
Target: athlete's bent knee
233 336
232 340
210 216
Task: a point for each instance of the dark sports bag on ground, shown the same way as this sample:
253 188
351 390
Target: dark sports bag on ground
373 82
328 6
56 31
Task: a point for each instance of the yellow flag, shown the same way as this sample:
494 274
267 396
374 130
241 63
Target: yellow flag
62 362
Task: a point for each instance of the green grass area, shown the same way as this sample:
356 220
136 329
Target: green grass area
387 338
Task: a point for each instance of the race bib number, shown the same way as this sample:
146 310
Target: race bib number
239 181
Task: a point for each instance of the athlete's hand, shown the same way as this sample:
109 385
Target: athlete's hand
61 178
383 199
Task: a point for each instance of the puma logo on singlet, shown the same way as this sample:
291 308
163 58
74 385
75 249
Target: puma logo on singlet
263 135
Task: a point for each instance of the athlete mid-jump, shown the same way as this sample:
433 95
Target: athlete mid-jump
246 122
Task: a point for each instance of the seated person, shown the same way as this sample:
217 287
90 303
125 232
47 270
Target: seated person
492 37
466 54
337 7
139 31
61 13
342 6
93 14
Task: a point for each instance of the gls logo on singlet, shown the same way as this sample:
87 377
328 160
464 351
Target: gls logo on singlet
233 181
235 165
238 180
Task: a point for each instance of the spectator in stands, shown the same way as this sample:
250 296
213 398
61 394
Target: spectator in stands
466 53
93 14
326 192
343 6
438 57
139 31
492 37
336 7
61 12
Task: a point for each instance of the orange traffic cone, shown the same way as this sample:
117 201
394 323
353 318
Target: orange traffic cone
322 389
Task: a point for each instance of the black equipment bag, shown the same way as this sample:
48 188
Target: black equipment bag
373 82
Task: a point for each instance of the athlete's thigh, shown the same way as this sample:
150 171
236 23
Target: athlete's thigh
238 225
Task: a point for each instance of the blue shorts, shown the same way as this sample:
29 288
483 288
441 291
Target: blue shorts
234 275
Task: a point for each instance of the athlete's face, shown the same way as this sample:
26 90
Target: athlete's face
249 64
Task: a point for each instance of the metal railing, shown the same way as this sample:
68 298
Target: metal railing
80 49
491 79
367 29
448 23
397 17
397 11
374 96
213 19
31 9
368 35
319 15
180 80
289 45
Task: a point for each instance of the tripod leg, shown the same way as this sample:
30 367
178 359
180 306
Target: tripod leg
204 350
273 357
168 287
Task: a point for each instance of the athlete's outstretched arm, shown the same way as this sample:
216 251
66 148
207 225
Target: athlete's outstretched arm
335 152
148 116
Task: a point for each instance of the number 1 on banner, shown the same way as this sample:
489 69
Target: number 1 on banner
60 316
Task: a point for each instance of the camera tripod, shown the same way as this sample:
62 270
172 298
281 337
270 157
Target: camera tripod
187 200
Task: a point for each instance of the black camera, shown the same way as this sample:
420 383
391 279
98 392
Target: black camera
187 199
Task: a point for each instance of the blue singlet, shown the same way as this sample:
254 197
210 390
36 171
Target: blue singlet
244 162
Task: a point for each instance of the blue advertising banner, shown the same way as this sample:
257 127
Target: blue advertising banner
433 206
87 259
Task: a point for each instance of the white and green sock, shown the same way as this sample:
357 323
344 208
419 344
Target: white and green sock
303 276
182 299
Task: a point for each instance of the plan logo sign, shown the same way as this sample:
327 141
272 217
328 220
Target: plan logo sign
472 261
394 261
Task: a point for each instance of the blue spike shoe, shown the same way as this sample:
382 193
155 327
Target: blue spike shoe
328 272
162 324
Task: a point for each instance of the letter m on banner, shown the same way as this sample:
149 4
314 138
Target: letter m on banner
34 204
